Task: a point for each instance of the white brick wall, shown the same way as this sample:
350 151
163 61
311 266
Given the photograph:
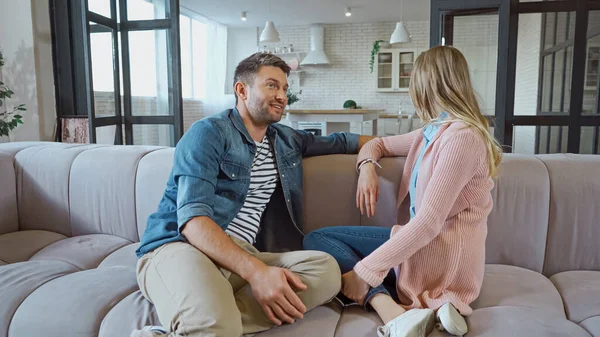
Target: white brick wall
348 47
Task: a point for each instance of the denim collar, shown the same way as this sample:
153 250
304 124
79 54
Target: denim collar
237 121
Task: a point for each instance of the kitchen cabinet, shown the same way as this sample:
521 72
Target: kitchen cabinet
393 67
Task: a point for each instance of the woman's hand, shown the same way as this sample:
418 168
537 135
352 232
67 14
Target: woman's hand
367 191
354 287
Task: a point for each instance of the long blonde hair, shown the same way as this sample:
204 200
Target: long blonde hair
440 80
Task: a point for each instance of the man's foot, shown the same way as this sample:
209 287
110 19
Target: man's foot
451 320
413 323
149 331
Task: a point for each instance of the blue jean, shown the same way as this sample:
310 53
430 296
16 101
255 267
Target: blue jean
350 244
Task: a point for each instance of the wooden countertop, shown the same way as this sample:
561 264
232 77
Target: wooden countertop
334 111
393 116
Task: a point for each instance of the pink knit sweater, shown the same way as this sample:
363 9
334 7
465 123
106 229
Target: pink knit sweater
439 255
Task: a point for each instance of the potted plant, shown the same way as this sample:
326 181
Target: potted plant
376 46
292 97
9 118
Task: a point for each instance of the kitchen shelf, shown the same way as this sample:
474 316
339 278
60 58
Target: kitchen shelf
397 78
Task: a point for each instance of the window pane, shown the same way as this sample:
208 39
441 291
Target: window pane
199 60
186 56
149 73
527 74
101 7
481 52
540 139
145 9
590 140
102 63
591 103
559 81
547 81
524 139
106 134
549 30
159 134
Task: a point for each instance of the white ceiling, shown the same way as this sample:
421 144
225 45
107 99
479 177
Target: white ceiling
295 12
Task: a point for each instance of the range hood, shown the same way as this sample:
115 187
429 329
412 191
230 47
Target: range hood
317 47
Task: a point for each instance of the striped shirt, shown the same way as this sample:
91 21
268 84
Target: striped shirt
263 180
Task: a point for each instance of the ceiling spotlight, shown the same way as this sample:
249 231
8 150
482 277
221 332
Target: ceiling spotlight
348 12
243 16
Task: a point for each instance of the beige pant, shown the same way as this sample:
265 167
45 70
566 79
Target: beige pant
195 297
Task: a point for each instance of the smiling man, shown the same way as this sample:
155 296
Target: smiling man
197 261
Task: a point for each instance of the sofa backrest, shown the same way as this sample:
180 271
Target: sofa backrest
517 225
545 215
9 217
574 220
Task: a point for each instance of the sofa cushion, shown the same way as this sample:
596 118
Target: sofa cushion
319 322
517 224
151 180
133 312
84 252
592 325
43 185
573 229
21 246
356 322
514 286
520 321
580 291
74 304
122 257
18 280
102 191
9 218
13 148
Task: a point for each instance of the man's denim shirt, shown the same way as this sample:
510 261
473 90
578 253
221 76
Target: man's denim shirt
211 173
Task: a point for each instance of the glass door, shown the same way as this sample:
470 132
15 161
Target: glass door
135 87
475 33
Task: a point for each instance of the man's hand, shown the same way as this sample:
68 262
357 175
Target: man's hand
272 288
367 190
354 287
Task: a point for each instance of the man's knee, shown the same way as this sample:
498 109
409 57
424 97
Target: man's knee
332 276
326 276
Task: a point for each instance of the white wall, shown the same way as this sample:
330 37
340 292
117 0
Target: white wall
241 43
27 48
16 41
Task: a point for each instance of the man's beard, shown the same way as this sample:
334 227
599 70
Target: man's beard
260 113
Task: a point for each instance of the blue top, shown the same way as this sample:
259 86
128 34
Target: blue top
428 133
211 173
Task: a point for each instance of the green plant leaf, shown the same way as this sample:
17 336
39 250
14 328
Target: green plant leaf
19 121
18 116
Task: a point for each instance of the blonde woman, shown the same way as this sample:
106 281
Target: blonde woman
430 269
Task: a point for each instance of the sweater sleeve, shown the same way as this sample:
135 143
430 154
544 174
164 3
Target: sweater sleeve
458 161
392 146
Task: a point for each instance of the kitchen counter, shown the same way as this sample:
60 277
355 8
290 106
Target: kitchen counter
334 111
336 120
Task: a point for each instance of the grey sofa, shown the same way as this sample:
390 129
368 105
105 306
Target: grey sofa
71 217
